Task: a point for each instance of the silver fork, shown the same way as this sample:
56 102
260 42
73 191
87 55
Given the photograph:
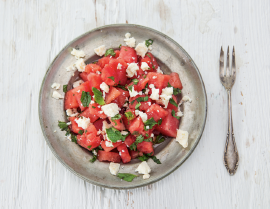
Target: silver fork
227 79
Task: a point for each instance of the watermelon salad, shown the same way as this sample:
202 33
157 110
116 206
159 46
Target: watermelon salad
122 106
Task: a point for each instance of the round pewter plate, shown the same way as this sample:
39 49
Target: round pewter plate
171 58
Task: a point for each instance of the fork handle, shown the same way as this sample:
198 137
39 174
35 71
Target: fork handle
231 157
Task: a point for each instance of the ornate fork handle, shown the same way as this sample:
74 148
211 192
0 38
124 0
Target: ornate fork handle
230 142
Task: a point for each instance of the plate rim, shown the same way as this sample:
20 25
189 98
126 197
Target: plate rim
95 182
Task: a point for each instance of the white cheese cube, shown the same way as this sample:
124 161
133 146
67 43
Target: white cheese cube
166 95
108 144
71 67
104 87
145 66
179 113
56 86
114 168
133 93
78 53
132 70
119 66
143 168
101 50
141 114
77 83
182 138
186 99
111 109
124 133
72 112
69 137
83 122
130 42
146 176
80 65
127 35
147 91
155 94
159 70
141 49
94 152
56 95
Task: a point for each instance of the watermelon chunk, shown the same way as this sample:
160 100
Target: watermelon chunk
74 126
160 81
88 141
103 61
70 100
130 140
120 73
122 98
125 156
108 156
92 68
146 147
144 105
128 54
175 80
156 112
118 124
83 76
108 149
113 94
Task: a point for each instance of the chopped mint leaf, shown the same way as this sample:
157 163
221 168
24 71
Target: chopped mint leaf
129 115
159 121
94 107
109 52
135 81
93 159
89 147
65 88
74 138
150 122
137 106
130 87
62 125
148 42
175 90
116 117
80 132
148 140
159 139
142 99
85 99
125 49
139 139
173 102
126 176
98 96
94 62
120 45
121 87
143 158
157 161
114 135
111 77
173 114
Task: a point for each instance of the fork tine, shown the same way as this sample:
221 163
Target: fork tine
228 62
221 63
233 63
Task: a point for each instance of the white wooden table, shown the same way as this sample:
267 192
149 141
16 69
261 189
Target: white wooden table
33 32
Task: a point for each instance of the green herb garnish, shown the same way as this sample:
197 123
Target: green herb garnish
120 45
65 88
126 176
129 115
159 121
148 42
121 87
175 90
80 132
109 52
139 139
145 157
93 159
111 77
137 106
89 147
74 138
62 125
98 96
116 117
114 135
159 139
150 122
173 102
94 107
85 99
135 81
173 114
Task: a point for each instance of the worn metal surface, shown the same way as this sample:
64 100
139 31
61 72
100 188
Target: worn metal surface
171 58
32 33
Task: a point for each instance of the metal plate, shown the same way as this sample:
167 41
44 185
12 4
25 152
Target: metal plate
171 57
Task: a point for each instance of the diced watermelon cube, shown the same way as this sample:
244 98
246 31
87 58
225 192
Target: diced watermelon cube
118 124
146 147
124 153
160 81
169 125
103 61
120 73
144 105
108 149
109 75
128 54
70 100
78 93
94 81
156 112
83 76
88 141
87 113
152 62
98 124
171 106
91 130
122 98
127 121
117 53
136 126
134 154
113 94
130 140
74 126
108 156
175 80
92 68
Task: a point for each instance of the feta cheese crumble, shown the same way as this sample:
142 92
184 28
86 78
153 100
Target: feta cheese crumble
124 133
83 122
70 68
155 92
145 66
78 53
159 70
179 113
56 86
186 99
166 95
141 49
132 70
146 176
114 168
133 93
72 112
182 138
111 109
56 95
141 114
101 50
104 87
108 144
143 168
119 66
77 83
129 41
80 65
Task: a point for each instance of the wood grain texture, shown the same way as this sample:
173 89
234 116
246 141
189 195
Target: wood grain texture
33 32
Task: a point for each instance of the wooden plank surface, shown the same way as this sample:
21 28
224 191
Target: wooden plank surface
33 32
